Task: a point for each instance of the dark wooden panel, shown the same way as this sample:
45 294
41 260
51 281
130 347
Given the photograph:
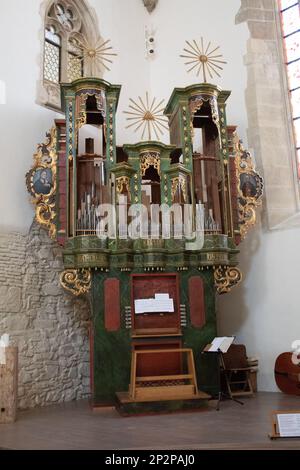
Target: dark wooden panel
197 301
159 364
145 286
112 313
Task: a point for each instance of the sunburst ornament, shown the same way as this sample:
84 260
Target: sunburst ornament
147 116
203 58
95 54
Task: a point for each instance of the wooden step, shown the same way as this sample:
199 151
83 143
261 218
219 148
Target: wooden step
158 378
175 392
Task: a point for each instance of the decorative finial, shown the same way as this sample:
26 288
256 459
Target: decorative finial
202 57
147 117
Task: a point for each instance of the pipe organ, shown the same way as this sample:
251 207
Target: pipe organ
152 296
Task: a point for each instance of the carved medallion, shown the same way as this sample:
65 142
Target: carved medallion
41 183
250 188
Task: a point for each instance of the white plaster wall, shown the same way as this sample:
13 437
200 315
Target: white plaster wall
23 124
176 21
124 23
264 310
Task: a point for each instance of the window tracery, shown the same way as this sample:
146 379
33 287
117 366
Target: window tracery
67 23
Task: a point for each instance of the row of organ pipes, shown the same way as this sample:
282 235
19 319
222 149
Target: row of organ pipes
206 171
93 187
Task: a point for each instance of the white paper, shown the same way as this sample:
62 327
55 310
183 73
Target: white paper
289 424
226 344
160 304
143 305
216 345
221 344
162 296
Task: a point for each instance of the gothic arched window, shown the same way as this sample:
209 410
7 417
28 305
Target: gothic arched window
67 25
290 23
52 55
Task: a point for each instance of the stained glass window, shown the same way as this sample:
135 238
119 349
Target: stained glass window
290 21
52 55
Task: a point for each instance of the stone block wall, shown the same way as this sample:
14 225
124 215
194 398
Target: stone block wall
48 325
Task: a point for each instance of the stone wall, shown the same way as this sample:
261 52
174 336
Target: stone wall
49 326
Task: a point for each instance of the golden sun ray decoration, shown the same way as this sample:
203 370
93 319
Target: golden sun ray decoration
147 116
203 58
94 55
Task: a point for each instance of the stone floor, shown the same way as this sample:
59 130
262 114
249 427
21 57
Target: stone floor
75 426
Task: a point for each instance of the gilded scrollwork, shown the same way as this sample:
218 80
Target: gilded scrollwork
150 159
226 277
197 102
176 183
250 188
76 281
121 182
41 182
82 97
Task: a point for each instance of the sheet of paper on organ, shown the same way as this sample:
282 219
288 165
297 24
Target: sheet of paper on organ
161 303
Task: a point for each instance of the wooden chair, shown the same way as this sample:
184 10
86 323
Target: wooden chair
237 371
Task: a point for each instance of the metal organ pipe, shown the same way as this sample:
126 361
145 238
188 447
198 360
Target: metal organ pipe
92 191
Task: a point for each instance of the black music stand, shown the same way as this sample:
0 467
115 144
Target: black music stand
221 371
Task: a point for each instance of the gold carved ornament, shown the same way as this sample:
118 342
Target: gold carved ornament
76 281
196 103
41 183
226 278
202 58
250 188
94 55
121 182
147 116
81 100
150 159
179 182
